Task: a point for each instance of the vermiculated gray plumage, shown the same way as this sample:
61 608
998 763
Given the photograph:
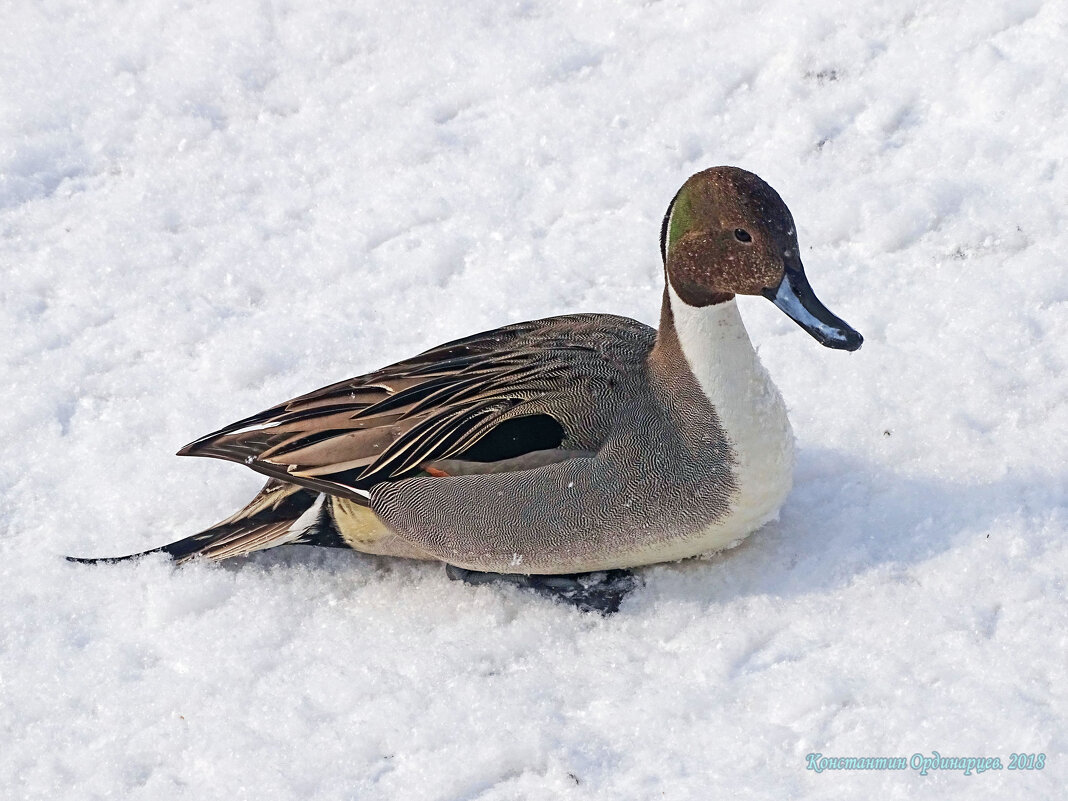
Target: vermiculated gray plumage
605 507
603 491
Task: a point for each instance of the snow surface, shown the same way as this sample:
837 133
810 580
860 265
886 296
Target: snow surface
208 208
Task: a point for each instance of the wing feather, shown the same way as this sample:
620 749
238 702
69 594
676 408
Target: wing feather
346 437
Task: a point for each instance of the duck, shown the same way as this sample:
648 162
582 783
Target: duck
556 454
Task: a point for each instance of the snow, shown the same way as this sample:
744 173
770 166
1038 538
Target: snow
208 208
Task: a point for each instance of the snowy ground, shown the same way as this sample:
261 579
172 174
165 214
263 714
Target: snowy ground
208 208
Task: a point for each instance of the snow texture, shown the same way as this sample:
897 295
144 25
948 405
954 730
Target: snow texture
207 208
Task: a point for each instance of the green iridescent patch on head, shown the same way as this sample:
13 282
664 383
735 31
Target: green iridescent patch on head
681 219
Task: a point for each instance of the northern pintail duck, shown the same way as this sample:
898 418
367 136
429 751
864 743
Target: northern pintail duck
562 446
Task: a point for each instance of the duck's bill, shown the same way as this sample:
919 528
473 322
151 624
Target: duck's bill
794 296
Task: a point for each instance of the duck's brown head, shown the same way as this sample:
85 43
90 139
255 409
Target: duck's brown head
728 233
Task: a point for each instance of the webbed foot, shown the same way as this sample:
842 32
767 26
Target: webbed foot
601 591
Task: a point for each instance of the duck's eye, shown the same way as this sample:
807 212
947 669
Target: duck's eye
742 235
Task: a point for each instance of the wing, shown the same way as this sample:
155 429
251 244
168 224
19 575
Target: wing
548 386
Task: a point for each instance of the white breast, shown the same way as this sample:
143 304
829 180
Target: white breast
750 410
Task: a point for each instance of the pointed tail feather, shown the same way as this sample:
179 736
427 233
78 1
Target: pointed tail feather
280 514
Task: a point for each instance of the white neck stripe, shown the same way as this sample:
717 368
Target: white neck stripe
749 407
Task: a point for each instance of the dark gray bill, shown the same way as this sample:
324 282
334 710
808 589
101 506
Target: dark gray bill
794 296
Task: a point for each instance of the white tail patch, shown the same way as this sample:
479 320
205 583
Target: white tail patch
302 525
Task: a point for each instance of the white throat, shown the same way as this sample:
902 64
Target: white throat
749 407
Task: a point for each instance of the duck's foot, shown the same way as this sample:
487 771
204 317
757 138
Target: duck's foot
601 591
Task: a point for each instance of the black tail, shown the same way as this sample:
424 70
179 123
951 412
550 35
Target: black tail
279 515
